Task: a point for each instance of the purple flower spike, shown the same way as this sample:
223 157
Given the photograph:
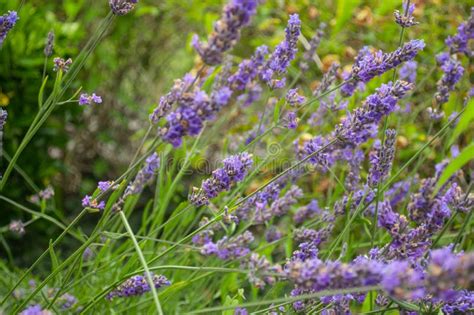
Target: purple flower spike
236 15
122 7
235 169
452 73
291 120
7 21
137 285
285 52
381 159
35 310
460 41
406 18
369 65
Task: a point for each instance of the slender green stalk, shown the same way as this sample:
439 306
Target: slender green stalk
143 262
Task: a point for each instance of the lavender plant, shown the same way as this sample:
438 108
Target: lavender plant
349 207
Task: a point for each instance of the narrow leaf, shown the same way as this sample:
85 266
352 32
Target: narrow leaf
41 92
465 121
465 156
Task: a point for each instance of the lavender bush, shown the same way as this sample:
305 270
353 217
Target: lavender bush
268 178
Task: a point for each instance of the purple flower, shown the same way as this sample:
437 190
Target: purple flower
167 101
86 99
328 78
17 227
236 15
48 47
229 248
248 69
291 120
122 7
62 65
240 311
67 301
104 185
279 207
89 202
460 41
145 175
272 234
194 109
407 72
35 310
259 267
381 159
406 18
435 114
402 281
452 73
235 169
307 212
137 285
313 46
253 94
362 124
293 98
277 64
3 118
7 21
369 65
447 272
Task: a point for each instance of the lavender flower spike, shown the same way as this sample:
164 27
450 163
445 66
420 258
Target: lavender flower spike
236 14
7 21
313 46
234 170
35 310
452 73
152 163
284 53
48 47
122 7
460 41
362 124
381 159
406 18
367 65
137 285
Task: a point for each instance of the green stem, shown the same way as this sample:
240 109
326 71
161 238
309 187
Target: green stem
143 261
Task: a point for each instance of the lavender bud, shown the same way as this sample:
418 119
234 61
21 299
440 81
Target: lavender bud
381 159
137 285
122 7
313 46
62 65
48 48
235 169
17 227
236 15
7 21
406 18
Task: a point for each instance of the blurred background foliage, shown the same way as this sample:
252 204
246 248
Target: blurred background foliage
137 62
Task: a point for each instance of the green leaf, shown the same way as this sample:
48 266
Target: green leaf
54 258
465 156
464 122
230 302
276 112
345 9
41 92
